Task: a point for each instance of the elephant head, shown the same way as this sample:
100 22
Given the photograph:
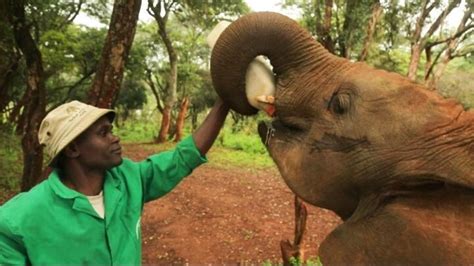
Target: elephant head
353 139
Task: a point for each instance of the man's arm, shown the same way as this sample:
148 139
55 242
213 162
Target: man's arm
12 252
207 132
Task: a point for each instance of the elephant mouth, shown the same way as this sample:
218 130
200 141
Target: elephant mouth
266 131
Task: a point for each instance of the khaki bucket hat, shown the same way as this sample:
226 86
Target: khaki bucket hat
63 124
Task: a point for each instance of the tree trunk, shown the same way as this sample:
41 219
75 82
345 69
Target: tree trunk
180 120
156 93
161 12
376 13
109 75
170 99
34 109
165 124
345 42
324 28
414 61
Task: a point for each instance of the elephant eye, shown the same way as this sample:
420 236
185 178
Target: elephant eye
340 103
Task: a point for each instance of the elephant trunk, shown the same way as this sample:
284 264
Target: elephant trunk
281 39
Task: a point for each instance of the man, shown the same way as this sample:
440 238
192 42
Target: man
88 210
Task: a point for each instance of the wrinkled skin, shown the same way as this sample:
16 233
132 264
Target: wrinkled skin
391 158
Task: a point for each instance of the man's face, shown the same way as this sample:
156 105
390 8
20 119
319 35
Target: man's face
98 147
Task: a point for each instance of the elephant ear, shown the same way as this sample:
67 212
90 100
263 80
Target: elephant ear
273 35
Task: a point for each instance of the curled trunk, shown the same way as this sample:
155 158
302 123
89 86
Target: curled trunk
273 35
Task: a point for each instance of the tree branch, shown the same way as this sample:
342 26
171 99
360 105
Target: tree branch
74 14
71 87
149 81
430 69
452 37
441 17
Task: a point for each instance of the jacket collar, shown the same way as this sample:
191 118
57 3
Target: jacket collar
64 192
59 188
112 194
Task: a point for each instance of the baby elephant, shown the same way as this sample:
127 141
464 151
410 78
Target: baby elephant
394 160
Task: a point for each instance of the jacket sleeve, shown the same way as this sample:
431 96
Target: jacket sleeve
160 173
12 251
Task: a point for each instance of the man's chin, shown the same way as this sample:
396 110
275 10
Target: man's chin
117 162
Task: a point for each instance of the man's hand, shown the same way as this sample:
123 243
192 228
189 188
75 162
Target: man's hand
207 132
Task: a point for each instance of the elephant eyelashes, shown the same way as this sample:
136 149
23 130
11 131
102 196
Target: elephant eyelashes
340 103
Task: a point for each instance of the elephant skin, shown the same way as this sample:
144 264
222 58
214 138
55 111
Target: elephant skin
393 159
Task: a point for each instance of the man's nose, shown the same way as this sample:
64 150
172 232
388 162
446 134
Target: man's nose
115 139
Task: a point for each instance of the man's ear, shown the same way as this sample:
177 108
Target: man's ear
71 151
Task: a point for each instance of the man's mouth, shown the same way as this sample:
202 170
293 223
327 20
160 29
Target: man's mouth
117 150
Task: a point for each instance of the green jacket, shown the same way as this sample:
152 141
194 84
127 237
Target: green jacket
52 224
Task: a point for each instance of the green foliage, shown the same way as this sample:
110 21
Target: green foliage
70 57
394 60
458 84
228 158
309 262
99 9
314 262
241 141
132 96
207 13
10 162
346 31
139 128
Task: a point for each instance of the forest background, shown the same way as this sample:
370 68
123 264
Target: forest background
155 71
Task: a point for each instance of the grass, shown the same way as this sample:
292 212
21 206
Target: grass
242 149
227 157
133 131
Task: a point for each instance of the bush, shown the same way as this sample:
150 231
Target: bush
10 162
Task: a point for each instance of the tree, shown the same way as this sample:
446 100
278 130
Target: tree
41 27
72 56
34 108
191 13
10 62
337 24
109 74
419 41
40 16
131 97
371 26
161 12
451 49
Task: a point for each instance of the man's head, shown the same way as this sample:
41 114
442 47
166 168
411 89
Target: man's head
80 132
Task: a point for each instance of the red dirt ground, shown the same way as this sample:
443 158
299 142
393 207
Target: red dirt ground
226 216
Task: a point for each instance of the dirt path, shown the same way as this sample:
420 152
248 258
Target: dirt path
229 216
